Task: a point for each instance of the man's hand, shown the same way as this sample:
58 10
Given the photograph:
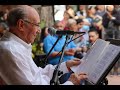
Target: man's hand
109 15
70 52
73 62
76 78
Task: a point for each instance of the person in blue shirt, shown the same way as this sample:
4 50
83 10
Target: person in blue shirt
49 42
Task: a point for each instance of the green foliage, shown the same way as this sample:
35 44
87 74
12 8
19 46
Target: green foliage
42 24
37 49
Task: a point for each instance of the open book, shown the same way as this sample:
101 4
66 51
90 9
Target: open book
98 61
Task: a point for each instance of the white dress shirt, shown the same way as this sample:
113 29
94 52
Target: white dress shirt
17 66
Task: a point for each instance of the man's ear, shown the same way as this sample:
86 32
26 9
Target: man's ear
20 25
98 35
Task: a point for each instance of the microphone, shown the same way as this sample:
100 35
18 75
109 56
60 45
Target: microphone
54 31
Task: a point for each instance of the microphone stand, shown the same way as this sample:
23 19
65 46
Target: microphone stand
57 72
104 81
46 58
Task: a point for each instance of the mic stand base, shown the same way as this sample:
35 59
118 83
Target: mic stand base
104 82
55 78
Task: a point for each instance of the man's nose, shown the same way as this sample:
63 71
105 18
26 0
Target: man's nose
39 30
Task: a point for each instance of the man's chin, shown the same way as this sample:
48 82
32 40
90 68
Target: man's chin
32 42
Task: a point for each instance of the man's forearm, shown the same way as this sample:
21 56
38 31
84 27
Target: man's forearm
54 54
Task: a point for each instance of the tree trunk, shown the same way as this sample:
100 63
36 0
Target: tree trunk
46 14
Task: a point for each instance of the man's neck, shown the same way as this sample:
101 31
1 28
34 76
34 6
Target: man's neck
20 35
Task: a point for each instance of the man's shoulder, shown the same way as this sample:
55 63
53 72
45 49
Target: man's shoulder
4 44
8 46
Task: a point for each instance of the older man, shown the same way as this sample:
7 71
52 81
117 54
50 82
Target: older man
16 64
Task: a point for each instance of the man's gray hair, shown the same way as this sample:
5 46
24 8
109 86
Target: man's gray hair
15 14
70 22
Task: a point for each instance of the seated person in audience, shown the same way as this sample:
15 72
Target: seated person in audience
66 16
49 42
100 10
81 13
93 36
81 42
70 11
72 25
83 28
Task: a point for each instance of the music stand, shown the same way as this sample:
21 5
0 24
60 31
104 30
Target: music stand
117 43
103 80
114 41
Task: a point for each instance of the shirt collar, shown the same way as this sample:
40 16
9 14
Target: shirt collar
12 36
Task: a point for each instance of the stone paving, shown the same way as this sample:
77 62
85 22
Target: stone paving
113 80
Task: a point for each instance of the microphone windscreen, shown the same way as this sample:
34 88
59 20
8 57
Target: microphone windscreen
52 31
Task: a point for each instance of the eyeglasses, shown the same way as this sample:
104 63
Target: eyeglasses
37 25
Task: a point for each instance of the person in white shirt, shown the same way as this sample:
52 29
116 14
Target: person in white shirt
59 12
81 13
16 64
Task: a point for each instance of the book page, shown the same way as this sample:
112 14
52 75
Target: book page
97 60
91 56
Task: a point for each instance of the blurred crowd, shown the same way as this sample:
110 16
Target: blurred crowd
98 21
